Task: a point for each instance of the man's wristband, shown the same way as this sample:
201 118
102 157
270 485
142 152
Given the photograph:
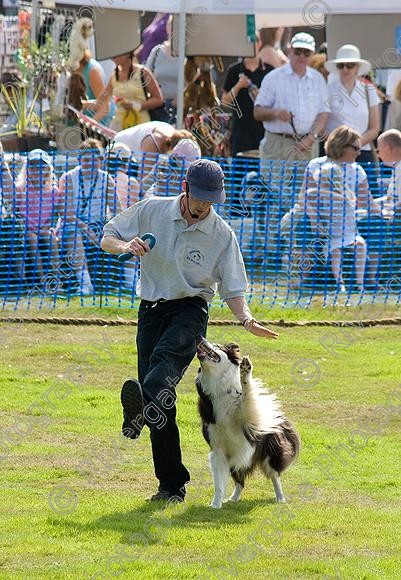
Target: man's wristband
248 323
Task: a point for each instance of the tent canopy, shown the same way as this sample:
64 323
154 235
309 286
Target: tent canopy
311 12
245 6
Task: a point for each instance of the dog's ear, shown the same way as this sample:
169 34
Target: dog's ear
233 346
233 353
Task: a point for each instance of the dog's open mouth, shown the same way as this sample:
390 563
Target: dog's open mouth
205 351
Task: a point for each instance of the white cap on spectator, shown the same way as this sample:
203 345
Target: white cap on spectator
187 148
303 40
39 155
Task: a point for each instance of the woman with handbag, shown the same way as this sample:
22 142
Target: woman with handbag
135 92
165 67
351 101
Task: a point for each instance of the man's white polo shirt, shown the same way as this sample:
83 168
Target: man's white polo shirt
193 260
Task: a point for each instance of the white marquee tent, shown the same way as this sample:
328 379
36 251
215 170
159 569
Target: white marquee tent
311 12
246 6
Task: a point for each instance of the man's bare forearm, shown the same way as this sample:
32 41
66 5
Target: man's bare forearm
113 245
239 308
265 114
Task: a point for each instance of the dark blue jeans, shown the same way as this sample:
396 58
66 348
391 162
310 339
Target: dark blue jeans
166 347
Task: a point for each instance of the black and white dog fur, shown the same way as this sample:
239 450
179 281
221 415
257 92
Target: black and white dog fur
241 422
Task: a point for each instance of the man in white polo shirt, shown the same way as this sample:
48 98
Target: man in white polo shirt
291 104
196 251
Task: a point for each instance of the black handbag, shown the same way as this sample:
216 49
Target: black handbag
159 113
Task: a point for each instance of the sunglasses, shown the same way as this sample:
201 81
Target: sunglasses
304 51
348 65
37 164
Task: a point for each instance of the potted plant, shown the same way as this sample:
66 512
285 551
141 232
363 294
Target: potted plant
26 95
25 135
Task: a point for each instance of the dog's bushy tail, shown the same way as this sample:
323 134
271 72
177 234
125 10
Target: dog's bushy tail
292 437
261 411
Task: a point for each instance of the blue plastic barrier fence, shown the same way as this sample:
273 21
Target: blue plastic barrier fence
322 232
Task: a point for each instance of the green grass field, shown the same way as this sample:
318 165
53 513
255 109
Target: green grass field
73 492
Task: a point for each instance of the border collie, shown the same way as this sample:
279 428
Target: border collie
241 422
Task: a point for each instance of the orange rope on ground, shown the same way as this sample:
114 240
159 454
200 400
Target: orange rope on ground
121 322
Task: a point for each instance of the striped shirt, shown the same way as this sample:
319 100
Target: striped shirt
305 97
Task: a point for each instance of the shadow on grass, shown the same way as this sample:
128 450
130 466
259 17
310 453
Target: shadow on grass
151 522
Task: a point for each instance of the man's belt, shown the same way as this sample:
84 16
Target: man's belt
290 136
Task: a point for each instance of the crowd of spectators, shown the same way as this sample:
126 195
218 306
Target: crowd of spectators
47 217
309 121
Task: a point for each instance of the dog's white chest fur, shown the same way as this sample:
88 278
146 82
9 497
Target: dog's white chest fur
231 441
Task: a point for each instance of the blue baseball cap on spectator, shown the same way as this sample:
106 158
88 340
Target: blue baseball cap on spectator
206 181
39 155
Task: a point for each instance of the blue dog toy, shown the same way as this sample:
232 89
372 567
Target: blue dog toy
152 240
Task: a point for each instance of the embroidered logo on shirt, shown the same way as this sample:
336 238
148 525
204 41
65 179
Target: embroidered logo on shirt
192 259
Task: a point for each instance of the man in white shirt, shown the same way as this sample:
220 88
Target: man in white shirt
389 151
196 252
291 104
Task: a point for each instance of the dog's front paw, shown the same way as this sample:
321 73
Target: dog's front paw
245 370
216 505
281 499
232 499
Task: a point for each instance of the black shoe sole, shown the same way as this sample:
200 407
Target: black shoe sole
168 497
132 402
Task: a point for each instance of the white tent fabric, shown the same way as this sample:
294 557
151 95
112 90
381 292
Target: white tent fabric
311 12
245 6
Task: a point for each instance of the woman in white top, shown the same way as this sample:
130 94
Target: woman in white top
148 140
351 101
334 187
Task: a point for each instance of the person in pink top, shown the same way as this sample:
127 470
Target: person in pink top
38 203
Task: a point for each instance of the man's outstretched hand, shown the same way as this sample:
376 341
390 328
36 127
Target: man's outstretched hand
258 330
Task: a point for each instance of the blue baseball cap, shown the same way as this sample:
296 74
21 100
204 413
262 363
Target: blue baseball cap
206 181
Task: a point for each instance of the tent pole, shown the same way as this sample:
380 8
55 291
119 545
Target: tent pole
181 64
34 19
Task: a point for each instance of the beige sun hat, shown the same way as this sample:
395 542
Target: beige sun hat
349 53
